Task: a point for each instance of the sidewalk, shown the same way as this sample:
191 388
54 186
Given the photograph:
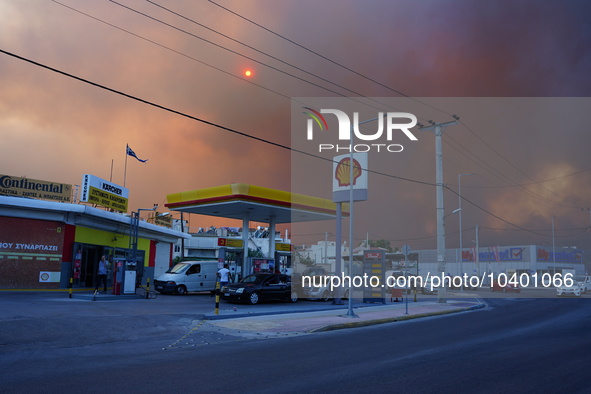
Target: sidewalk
310 322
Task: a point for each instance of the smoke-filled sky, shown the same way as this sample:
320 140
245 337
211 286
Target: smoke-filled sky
190 57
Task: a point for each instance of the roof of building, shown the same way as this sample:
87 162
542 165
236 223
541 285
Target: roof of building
83 215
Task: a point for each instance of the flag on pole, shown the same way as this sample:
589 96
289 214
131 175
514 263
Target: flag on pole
496 254
130 152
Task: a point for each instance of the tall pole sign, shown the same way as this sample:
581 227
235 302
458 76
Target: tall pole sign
349 183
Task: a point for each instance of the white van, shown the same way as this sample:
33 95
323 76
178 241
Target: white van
188 276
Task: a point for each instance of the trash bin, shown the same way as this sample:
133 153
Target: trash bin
395 294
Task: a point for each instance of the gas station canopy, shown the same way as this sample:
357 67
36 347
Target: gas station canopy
260 204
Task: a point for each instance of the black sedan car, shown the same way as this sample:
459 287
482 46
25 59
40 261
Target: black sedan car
260 287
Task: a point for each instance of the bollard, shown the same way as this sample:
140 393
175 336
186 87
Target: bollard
70 290
217 298
147 288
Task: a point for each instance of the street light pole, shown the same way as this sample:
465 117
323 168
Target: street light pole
553 248
134 229
460 218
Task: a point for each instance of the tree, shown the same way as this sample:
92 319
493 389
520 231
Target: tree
179 259
381 243
306 260
255 253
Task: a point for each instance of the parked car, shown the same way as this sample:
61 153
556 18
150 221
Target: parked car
509 287
316 284
321 293
584 282
260 287
188 276
296 277
574 289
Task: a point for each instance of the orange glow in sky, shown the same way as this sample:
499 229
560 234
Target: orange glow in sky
248 73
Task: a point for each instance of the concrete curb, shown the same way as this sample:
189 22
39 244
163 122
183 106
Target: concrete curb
224 316
213 316
366 323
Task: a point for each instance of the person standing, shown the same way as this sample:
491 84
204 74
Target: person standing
102 274
224 275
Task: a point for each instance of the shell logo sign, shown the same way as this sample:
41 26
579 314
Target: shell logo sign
343 172
342 181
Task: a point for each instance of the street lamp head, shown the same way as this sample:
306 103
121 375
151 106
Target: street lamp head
454 211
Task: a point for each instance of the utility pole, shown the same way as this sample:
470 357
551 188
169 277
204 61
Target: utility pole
182 239
325 260
589 210
438 129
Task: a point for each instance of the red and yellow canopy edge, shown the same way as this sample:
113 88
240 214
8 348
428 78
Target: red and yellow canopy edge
257 194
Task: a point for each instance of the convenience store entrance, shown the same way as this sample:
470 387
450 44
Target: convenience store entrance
87 257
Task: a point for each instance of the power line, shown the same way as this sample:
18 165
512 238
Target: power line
289 64
489 212
181 53
171 49
582 229
253 59
532 183
227 49
249 47
496 173
243 134
507 161
574 231
402 94
326 58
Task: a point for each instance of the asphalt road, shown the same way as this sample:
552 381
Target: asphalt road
517 345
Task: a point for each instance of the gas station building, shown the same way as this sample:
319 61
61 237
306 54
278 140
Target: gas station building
45 243
259 204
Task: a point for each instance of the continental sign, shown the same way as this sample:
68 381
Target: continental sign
33 188
104 193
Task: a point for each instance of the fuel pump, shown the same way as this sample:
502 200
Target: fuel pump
124 277
129 277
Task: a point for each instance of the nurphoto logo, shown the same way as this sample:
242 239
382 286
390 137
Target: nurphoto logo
394 121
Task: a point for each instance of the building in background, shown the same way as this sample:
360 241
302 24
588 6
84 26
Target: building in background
521 259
